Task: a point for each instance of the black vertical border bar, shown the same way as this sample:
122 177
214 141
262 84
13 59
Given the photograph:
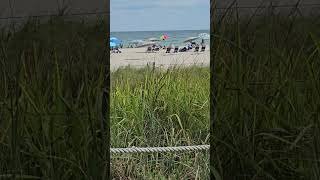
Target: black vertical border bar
106 97
213 100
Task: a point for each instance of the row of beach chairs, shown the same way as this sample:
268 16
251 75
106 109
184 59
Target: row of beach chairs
196 49
176 49
152 49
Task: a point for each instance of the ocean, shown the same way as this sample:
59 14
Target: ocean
175 37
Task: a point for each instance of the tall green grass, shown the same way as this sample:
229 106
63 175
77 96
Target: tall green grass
51 78
267 91
160 107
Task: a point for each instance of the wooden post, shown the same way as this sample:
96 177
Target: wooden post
213 29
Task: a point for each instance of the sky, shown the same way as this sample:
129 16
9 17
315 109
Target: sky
151 15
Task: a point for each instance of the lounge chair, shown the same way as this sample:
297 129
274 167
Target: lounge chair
116 50
196 49
184 49
176 49
203 48
149 49
168 49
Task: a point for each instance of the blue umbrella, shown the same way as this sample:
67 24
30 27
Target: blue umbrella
115 40
112 44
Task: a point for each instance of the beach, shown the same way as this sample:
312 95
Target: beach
138 57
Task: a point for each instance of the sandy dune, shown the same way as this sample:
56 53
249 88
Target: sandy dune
138 57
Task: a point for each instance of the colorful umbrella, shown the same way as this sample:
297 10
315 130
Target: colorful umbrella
164 37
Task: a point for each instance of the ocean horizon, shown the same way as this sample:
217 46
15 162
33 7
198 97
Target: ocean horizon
163 30
175 36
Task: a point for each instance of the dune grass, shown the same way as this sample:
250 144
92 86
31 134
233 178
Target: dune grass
267 93
160 107
267 90
52 77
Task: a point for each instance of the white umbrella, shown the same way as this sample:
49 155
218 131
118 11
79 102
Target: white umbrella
204 36
137 42
153 39
190 39
146 44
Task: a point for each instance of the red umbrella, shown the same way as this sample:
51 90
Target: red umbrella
164 37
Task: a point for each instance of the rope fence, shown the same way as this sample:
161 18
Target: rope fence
159 149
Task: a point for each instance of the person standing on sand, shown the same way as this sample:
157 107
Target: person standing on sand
202 43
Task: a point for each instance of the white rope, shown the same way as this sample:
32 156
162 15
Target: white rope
158 149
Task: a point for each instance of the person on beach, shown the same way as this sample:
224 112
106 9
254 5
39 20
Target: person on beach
202 43
116 50
193 44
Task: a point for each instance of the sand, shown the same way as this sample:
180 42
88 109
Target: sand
138 57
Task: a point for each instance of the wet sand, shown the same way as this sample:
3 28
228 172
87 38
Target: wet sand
138 57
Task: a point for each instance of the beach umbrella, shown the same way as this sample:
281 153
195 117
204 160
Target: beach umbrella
150 43
153 39
190 39
136 42
112 44
204 36
115 40
164 37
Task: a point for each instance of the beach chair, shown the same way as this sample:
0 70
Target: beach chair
168 49
196 49
149 49
203 48
117 50
184 49
176 49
